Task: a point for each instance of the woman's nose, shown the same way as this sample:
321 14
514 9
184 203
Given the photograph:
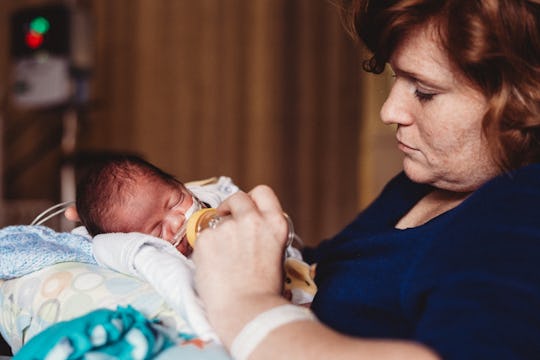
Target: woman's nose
397 109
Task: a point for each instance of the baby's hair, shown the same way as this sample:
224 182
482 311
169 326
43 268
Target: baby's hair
107 183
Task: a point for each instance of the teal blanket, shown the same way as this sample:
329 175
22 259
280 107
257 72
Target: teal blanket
100 334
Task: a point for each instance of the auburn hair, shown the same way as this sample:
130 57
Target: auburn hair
493 43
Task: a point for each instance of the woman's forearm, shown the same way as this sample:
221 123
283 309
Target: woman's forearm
313 340
307 339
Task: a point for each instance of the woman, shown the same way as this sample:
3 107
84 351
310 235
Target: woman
446 262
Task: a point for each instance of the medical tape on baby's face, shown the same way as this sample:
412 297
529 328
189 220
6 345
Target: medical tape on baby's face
196 205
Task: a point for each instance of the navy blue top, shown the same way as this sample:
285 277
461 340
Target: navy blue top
466 283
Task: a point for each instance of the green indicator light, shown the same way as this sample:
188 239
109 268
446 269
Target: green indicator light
40 25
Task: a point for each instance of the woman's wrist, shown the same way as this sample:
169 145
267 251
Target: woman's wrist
240 311
257 329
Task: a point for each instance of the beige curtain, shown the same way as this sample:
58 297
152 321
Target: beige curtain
263 91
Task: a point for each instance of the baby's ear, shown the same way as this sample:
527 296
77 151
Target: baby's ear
71 213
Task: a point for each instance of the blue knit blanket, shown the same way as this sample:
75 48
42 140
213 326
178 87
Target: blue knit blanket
25 249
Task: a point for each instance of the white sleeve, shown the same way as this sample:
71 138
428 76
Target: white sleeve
172 277
156 261
117 251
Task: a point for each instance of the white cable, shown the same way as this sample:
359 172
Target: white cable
38 220
50 216
257 329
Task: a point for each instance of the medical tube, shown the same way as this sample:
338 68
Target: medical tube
195 206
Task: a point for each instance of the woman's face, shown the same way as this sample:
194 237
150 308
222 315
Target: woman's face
438 115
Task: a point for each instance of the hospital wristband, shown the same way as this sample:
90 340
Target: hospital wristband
257 329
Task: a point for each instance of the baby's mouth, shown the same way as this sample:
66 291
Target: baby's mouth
184 247
180 241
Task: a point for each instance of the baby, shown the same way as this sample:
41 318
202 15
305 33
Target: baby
125 194
128 194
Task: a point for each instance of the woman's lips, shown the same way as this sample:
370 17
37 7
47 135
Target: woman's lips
404 147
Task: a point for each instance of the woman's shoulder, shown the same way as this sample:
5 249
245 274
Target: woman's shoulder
526 178
509 198
484 261
498 226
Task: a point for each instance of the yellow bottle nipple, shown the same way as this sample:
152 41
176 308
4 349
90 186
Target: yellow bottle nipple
200 220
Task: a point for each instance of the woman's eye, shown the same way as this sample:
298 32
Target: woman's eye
422 96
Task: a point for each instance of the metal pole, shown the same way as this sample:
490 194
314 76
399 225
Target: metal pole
67 171
2 205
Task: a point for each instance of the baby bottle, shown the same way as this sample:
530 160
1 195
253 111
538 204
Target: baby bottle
200 220
208 218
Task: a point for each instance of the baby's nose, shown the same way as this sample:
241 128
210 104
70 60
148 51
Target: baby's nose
174 223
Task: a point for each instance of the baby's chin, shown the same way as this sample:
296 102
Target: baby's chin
184 247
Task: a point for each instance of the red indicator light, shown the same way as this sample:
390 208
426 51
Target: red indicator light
33 39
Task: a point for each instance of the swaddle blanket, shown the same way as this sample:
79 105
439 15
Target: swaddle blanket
101 334
25 249
159 263
214 190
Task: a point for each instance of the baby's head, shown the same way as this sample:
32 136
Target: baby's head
128 194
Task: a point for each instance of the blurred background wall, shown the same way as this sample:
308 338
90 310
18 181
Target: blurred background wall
263 91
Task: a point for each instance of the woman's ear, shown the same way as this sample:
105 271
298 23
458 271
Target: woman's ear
72 214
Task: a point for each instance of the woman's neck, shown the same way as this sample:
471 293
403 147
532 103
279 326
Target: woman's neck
430 206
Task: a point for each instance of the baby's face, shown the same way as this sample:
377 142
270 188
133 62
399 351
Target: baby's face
156 208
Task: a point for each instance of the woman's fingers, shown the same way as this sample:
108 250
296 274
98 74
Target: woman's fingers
265 199
260 205
236 205
261 199
270 208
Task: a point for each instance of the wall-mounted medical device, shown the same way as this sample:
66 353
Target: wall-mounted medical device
40 51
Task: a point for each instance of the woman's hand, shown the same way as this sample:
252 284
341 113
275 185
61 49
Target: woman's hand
239 264
238 267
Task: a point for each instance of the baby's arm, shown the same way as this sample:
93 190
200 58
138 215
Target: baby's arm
157 262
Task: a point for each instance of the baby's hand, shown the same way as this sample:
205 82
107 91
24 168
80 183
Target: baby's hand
117 251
